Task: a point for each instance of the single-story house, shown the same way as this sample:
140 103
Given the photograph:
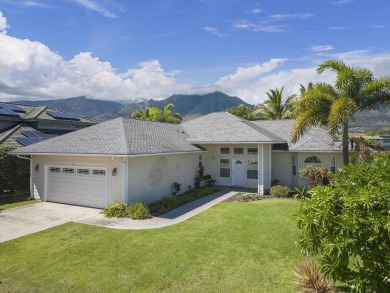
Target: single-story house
132 160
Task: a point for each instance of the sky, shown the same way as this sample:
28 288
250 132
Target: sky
128 50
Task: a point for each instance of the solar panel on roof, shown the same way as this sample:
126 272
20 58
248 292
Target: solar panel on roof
35 133
23 141
16 108
62 115
29 133
8 112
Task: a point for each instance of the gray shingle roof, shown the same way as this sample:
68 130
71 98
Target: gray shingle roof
224 127
7 136
119 136
316 139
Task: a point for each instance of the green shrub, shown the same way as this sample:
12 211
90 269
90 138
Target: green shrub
302 192
346 225
136 211
14 172
316 175
279 191
116 210
171 202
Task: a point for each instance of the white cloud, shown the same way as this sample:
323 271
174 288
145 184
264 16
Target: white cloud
321 48
291 16
93 5
214 31
258 27
3 23
243 75
341 2
255 11
31 70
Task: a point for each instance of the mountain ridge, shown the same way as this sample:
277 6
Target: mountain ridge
189 106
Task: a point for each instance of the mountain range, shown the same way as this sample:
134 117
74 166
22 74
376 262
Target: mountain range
189 106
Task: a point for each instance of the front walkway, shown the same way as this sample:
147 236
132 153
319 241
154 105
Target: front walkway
17 222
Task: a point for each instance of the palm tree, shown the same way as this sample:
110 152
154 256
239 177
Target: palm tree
169 116
155 114
273 107
150 113
322 104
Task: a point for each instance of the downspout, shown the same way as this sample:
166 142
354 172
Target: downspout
31 175
125 179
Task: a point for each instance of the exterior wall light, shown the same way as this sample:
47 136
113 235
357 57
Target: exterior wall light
114 171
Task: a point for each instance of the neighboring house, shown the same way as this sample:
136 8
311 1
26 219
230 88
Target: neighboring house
21 125
381 140
133 160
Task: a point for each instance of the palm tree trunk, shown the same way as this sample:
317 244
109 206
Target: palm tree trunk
345 144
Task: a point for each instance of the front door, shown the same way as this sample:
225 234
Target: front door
238 178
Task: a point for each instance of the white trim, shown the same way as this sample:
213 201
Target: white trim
308 151
270 164
235 142
45 183
108 155
262 167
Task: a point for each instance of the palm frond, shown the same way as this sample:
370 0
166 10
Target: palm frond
334 65
376 93
342 110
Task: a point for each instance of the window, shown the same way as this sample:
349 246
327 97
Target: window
252 151
313 160
68 170
225 151
224 168
333 164
252 169
294 165
238 151
82 171
99 172
55 169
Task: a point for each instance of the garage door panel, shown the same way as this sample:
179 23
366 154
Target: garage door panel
86 186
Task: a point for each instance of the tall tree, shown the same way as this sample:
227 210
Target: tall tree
242 111
169 116
156 114
322 104
273 107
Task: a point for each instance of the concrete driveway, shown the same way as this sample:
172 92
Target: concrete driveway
20 221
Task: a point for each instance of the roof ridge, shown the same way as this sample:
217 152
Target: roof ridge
124 133
10 132
39 112
263 130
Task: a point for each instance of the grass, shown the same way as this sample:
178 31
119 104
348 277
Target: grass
13 202
232 247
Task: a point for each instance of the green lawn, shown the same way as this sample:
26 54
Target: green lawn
232 247
13 202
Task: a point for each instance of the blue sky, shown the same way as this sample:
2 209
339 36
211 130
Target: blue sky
124 50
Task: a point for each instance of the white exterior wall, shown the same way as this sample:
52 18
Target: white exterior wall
211 163
115 190
282 165
281 168
151 177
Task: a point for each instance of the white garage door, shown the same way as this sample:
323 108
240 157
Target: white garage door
84 186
